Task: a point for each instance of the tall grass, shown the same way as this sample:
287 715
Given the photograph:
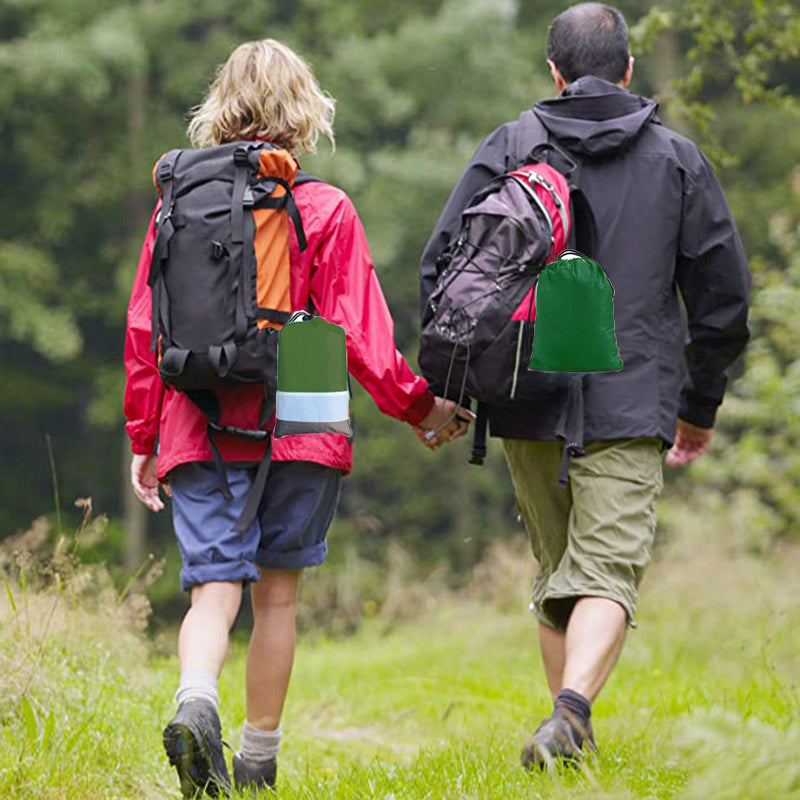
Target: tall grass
703 704
77 698
409 689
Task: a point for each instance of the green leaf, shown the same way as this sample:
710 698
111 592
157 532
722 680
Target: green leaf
49 727
31 722
10 594
73 740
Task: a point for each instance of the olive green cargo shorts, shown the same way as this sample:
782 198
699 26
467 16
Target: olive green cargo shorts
593 538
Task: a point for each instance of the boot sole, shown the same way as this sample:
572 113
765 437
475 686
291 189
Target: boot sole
191 760
537 756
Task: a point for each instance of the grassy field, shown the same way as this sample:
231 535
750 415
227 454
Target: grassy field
704 703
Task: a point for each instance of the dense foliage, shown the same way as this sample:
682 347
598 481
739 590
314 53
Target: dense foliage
91 93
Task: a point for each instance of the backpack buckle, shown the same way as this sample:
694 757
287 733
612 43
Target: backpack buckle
241 157
164 172
217 250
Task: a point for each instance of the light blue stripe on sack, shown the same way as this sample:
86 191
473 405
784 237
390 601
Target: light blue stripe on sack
313 406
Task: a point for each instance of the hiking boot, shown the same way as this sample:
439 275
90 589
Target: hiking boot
193 741
558 738
254 776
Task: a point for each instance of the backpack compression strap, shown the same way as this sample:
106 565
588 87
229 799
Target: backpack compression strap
478 454
208 403
166 224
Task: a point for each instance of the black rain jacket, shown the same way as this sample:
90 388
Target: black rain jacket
664 228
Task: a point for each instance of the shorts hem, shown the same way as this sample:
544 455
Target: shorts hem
311 556
538 606
230 571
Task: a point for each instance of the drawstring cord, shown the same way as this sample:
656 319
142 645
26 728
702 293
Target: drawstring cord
442 424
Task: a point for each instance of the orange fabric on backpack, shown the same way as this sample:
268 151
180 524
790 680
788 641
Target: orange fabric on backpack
155 168
272 239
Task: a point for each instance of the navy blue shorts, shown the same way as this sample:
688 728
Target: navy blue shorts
296 511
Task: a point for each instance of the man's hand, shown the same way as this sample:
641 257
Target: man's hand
144 481
690 443
445 422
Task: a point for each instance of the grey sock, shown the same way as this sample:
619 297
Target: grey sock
579 711
259 746
197 685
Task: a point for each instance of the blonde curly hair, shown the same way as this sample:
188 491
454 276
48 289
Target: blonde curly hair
264 91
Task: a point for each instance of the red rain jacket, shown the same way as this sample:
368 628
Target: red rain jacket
336 272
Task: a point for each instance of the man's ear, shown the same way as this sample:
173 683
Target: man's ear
625 82
558 78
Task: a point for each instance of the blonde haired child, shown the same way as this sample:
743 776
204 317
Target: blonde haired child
265 92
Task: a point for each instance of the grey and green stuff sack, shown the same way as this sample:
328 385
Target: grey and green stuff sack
574 326
313 395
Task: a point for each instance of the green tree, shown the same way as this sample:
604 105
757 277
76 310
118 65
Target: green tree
91 94
737 93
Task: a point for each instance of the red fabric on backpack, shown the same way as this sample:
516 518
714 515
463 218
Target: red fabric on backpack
336 273
527 308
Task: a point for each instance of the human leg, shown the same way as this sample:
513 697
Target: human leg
589 650
216 560
593 643
552 644
269 665
611 531
591 646
299 503
544 508
591 593
203 636
271 651
193 738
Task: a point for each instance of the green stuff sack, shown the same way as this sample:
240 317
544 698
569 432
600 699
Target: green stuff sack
313 395
573 330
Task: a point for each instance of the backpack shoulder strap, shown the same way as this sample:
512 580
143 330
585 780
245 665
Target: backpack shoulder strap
532 140
583 235
305 177
528 132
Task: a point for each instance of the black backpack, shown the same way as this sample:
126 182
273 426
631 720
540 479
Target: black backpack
219 278
477 328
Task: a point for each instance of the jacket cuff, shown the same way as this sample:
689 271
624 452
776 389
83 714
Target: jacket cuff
419 408
143 448
698 410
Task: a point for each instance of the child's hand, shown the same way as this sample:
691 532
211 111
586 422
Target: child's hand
445 422
144 481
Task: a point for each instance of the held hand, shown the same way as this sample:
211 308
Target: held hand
144 481
445 422
690 443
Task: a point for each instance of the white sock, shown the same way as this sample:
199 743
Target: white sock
197 685
259 746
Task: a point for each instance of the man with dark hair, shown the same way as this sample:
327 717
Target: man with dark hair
590 39
664 232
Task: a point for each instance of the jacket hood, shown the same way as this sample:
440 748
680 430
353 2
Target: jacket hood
594 117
